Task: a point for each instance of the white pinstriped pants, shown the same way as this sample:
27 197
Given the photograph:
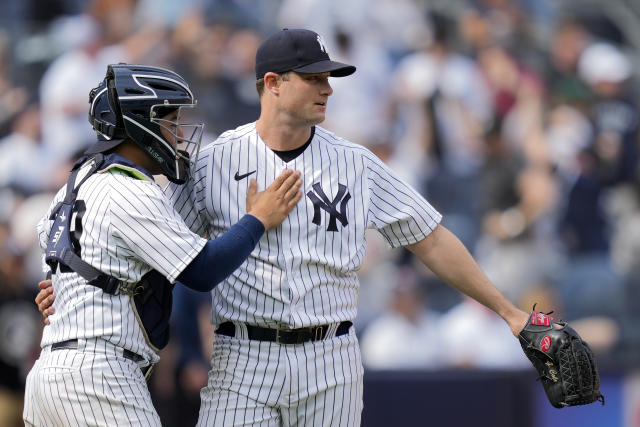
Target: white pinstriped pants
82 388
257 383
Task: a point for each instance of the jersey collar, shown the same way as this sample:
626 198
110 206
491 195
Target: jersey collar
115 161
289 155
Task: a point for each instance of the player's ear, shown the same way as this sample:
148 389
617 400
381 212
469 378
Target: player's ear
272 82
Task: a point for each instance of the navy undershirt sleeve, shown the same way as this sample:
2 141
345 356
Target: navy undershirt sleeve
221 256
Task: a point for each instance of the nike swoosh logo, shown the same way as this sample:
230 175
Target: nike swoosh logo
238 177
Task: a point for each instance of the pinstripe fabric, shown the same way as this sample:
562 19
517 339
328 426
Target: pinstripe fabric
83 388
302 273
128 228
255 383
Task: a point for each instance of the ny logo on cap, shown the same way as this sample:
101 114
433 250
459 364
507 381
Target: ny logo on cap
321 201
321 43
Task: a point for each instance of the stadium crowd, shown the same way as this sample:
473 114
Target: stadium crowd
518 120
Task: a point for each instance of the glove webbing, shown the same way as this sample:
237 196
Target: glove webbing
577 377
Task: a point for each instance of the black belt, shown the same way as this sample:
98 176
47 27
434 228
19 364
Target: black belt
73 345
284 336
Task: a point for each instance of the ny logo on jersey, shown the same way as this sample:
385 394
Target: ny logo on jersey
321 201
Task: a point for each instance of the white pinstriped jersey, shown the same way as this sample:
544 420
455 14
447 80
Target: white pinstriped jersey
303 272
129 227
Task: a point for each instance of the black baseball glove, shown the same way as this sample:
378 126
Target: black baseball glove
563 360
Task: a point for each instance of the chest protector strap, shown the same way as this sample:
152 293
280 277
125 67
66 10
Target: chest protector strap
63 249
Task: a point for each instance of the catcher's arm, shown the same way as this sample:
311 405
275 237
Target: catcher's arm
448 258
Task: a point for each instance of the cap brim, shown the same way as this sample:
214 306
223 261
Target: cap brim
335 69
102 146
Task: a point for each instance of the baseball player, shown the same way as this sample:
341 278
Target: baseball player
115 247
285 350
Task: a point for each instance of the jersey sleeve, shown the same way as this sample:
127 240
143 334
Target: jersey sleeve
396 209
148 225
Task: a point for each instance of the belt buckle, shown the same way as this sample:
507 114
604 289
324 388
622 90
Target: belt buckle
318 335
278 337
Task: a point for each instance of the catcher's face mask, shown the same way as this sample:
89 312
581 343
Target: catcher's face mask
181 135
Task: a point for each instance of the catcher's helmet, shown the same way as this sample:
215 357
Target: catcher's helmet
132 103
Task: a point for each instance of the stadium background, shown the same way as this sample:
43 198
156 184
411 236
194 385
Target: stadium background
517 119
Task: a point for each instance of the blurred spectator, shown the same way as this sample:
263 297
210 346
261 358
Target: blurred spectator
519 25
601 332
519 191
396 26
377 277
12 99
614 112
567 134
602 24
512 85
475 30
399 25
568 41
407 335
518 247
236 86
629 349
219 60
242 13
20 329
624 206
589 283
24 165
443 105
22 223
168 13
474 337
111 37
359 107
610 159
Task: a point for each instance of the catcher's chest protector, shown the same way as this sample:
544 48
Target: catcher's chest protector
152 296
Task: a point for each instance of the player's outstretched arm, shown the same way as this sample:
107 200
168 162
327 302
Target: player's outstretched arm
272 205
448 258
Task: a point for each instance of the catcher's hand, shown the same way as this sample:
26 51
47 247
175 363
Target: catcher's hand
563 360
45 298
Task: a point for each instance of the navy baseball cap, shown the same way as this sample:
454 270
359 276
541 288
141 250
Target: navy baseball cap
299 50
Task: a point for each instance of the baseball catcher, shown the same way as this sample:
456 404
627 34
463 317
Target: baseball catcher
565 363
